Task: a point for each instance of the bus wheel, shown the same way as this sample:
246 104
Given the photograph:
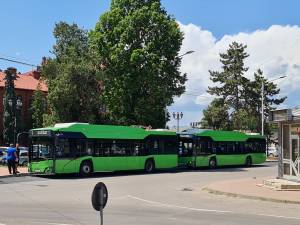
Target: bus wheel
212 163
149 166
86 168
248 162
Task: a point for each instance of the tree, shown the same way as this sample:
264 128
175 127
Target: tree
38 108
73 89
231 79
216 115
136 45
9 103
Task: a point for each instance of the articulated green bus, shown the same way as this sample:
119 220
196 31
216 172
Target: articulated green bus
84 148
210 148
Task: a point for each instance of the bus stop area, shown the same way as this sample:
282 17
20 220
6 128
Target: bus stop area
4 171
257 189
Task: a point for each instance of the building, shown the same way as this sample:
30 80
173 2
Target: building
25 85
288 121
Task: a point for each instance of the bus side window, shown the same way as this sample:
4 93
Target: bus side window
230 148
214 147
161 147
222 148
249 147
170 147
240 147
209 147
97 150
89 147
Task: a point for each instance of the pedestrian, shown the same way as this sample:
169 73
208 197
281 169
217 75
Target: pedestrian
18 157
11 159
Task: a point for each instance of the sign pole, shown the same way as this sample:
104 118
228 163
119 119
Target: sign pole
101 206
101 216
99 199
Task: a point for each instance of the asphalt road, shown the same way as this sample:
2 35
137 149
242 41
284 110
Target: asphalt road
165 198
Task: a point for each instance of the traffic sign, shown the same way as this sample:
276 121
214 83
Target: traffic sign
99 196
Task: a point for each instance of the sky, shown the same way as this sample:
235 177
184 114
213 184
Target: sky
270 29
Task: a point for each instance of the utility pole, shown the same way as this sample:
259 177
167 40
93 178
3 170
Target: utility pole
263 103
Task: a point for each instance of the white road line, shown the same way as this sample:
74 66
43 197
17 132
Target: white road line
58 223
277 216
208 210
179 207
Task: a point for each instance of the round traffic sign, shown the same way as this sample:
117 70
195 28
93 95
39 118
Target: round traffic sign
99 196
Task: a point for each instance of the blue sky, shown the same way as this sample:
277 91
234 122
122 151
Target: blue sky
27 25
27 34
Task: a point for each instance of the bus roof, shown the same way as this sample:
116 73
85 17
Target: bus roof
107 131
228 135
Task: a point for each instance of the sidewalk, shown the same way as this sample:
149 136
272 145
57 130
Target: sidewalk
252 189
4 171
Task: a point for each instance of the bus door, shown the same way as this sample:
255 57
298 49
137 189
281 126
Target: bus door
67 153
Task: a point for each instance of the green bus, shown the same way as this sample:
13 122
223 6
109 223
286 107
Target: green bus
84 148
209 148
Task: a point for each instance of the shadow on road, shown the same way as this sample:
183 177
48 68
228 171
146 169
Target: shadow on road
229 169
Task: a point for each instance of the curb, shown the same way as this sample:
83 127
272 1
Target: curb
235 195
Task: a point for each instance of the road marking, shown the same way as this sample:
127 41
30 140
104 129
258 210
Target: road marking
207 210
276 216
60 223
179 207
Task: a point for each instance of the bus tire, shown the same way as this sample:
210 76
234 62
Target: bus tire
248 162
86 168
149 166
212 163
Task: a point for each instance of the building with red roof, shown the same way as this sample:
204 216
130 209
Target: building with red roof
25 85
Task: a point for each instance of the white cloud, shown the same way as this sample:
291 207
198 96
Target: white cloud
274 50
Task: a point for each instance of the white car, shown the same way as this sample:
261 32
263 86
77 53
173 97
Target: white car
23 160
272 152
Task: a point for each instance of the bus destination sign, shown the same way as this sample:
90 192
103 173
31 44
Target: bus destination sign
41 133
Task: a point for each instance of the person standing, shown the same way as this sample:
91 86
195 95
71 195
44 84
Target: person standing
18 157
11 159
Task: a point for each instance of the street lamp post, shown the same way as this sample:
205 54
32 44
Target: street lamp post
17 108
166 111
178 116
262 102
187 53
18 113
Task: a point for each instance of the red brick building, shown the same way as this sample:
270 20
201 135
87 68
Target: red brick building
25 85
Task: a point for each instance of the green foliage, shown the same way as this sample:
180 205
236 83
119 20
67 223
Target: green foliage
253 100
136 46
216 115
74 91
38 108
241 95
231 78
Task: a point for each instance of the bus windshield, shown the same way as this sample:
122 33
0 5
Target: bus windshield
41 148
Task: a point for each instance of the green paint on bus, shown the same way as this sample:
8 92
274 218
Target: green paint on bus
65 147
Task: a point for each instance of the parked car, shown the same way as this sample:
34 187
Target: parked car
272 152
3 150
23 157
23 160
